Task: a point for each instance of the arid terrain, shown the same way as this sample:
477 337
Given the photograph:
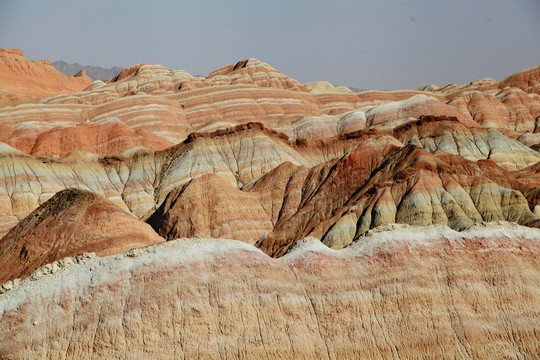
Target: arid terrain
247 215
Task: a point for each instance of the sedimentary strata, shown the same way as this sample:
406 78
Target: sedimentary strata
407 292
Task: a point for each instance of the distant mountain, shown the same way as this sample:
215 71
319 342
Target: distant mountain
356 90
94 72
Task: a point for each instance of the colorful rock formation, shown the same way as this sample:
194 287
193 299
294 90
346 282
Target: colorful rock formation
402 291
377 182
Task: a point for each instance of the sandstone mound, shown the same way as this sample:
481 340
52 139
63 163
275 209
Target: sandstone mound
140 180
208 206
248 125
111 136
405 291
333 189
250 154
527 80
509 108
317 87
414 107
171 104
512 103
253 71
72 222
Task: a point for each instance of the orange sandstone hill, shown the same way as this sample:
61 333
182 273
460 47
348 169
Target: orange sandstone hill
21 78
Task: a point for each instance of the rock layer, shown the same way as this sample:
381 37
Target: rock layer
304 188
208 206
250 154
407 292
172 104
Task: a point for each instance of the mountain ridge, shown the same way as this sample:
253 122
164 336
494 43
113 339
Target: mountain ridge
93 72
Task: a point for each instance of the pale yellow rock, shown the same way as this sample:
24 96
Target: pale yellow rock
317 87
384 211
342 233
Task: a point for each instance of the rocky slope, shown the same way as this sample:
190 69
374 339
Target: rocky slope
512 103
172 104
401 292
72 222
213 183
22 79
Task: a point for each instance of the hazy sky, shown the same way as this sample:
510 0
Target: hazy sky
366 44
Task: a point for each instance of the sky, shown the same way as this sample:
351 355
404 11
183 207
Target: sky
379 44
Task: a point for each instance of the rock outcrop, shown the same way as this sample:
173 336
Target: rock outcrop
172 104
110 136
512 103
253 71
371 186
304 187
317 87
399 292
448 135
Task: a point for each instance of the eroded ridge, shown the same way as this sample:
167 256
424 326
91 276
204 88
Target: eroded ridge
400 291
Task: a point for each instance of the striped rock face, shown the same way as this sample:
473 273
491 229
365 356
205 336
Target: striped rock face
400 291
510 104
339 200
151 99
293 190
446 134
139 181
